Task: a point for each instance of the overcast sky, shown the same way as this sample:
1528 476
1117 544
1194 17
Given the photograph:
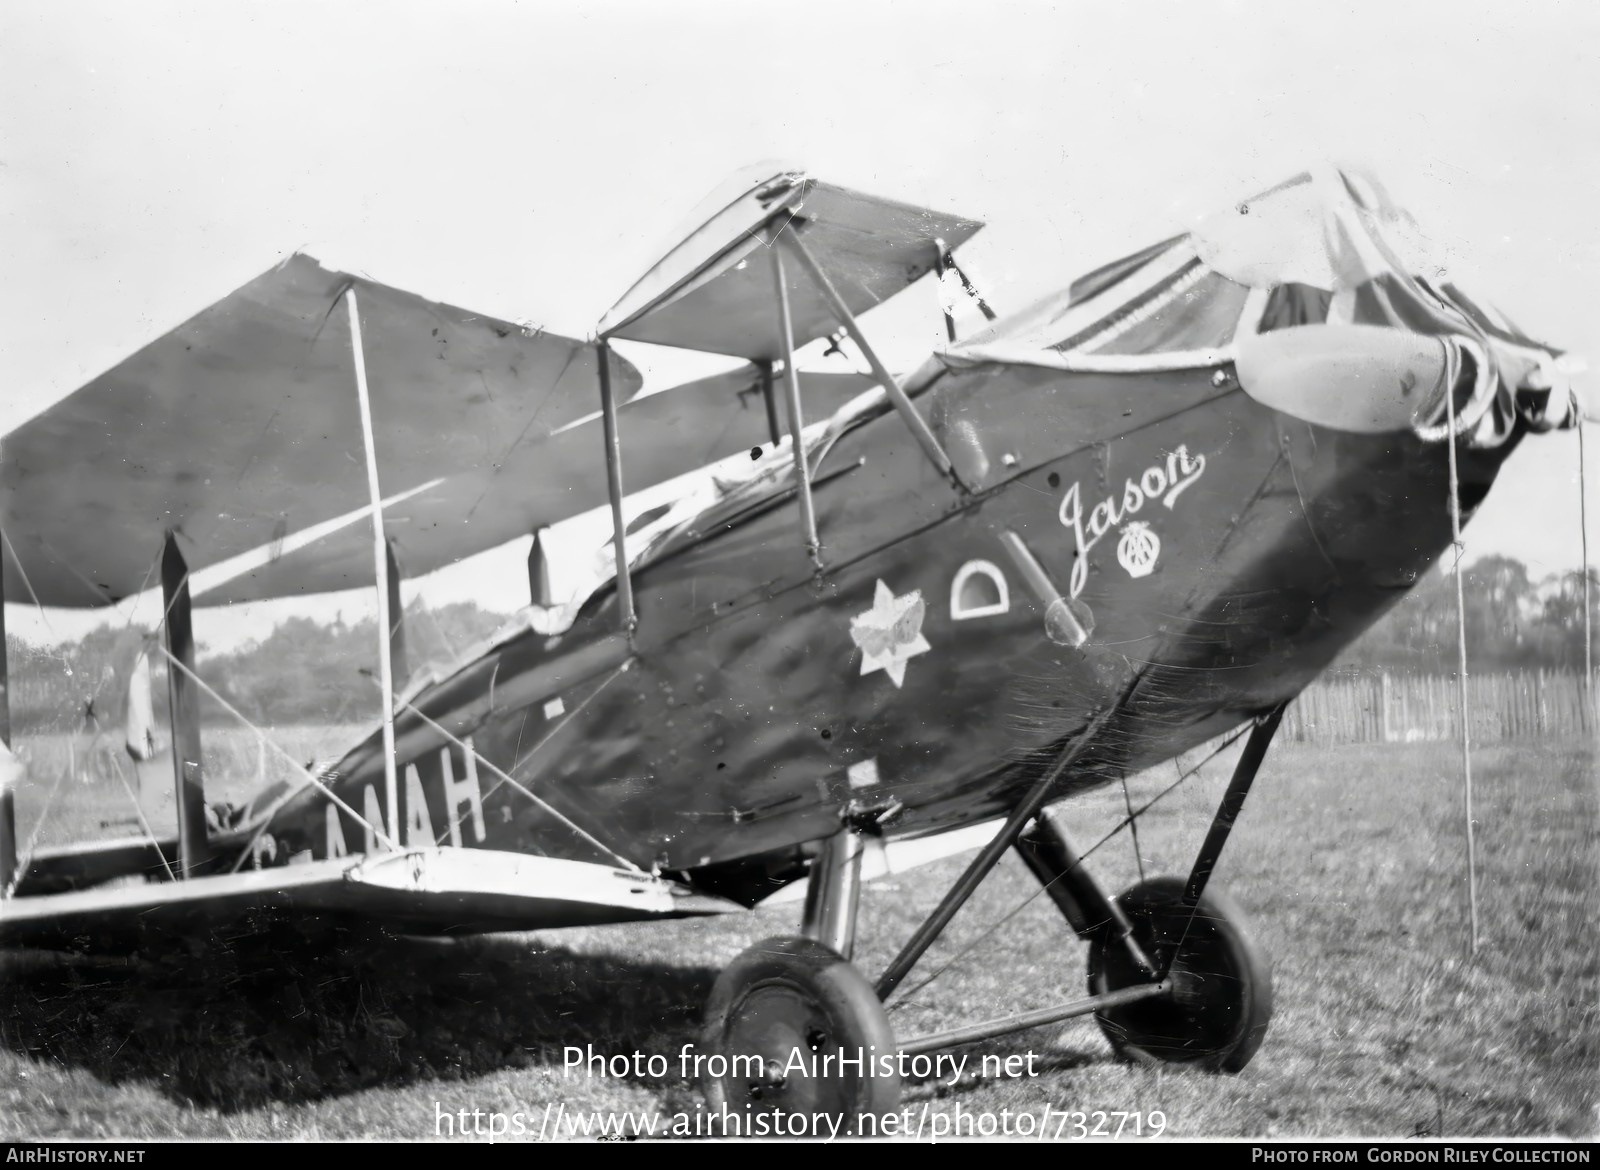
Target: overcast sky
528 160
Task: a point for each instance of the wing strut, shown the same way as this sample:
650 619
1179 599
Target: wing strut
791 384
941 265
381 560
919 426
608 409
399 661
184 702
771 402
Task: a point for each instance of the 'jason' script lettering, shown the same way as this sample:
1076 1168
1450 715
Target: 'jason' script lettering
1160 481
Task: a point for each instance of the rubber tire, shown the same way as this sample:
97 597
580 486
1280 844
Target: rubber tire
790 993
1221 1003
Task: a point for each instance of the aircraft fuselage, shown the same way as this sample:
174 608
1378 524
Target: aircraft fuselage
1216 554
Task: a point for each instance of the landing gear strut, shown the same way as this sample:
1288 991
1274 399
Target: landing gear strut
1173 975
1220 1002
800 1029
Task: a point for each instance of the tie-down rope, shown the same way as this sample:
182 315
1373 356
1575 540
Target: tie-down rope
1461 673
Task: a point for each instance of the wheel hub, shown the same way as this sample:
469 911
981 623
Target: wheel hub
1220 996
782 1016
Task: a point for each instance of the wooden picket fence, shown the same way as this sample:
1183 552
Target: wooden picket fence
1408 708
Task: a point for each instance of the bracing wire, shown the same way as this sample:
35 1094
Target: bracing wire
25 858
1133 827
908 997
138 811
505 778
377 832
522 758
27 584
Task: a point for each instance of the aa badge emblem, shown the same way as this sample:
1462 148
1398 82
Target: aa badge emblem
1138 549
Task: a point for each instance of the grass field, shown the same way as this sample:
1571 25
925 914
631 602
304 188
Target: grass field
1350 861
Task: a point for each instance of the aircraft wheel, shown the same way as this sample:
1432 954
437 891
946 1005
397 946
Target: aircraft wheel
1221 1000
781 1016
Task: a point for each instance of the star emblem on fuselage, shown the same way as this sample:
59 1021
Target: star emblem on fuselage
890 633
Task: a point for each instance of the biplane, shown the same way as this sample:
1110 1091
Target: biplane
882 611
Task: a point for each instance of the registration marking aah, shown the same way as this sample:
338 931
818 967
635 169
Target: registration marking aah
1160 481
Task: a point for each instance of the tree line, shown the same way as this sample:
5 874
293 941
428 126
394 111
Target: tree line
304 671
1513 623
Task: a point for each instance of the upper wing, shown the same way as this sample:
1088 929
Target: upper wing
714 290
242 426
239 431
542 481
